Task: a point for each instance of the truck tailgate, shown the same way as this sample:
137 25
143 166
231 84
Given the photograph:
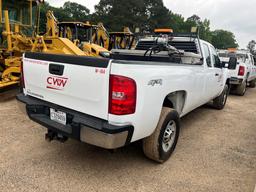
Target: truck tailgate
75 82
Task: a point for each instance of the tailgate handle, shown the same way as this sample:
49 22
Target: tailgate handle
55 69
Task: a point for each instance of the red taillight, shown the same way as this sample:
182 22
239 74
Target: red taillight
22 81
241 71
122 95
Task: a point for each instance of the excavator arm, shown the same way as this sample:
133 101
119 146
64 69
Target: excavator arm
101 36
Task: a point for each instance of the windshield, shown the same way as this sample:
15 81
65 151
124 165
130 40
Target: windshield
83 34
239 56
21 13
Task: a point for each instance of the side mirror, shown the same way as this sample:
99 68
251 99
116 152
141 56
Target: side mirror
232 63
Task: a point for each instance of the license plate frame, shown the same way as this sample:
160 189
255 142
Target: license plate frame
58 116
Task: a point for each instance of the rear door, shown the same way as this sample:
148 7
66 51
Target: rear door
74 82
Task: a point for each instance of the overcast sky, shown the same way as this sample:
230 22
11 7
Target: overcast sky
234 15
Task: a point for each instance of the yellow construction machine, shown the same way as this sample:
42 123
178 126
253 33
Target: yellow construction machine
122 40
52 43
113 40
81 34
18 26
95 40
101 37
19 33
85 32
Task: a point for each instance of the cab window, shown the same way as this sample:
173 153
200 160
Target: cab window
207 55
215 58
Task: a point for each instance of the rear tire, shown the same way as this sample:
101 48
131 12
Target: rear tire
252 83
220 101
241 89
161 144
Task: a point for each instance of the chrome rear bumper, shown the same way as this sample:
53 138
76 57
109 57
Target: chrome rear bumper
79 126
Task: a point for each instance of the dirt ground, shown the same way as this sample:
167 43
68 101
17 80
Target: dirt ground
216 152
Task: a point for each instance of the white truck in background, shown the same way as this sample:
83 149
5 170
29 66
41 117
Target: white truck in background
242 74
135 95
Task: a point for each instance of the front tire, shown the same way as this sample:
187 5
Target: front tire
161 144
220 102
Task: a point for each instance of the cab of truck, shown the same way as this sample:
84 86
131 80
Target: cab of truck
22 15
243 74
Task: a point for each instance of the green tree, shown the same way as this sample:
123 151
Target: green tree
145 14
193 21
203 27
76 11
177 22
69 12
205 30
158 16
59 13
115 14
43 10
222 39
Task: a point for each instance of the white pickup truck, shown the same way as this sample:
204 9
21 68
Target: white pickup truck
134 95
243 73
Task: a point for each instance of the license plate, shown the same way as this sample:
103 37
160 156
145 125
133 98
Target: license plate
58 116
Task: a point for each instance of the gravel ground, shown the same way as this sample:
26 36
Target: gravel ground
216 152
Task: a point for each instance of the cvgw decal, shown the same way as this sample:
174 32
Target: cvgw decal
57 83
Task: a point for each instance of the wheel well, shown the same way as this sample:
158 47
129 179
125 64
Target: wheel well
228 83
168 103
175 100
247 75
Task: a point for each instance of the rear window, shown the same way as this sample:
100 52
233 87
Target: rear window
187 46
239 56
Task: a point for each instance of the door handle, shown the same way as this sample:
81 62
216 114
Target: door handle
217 74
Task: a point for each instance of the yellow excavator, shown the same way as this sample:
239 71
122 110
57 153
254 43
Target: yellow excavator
122 40
82 35
113 40
95 39
51 43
